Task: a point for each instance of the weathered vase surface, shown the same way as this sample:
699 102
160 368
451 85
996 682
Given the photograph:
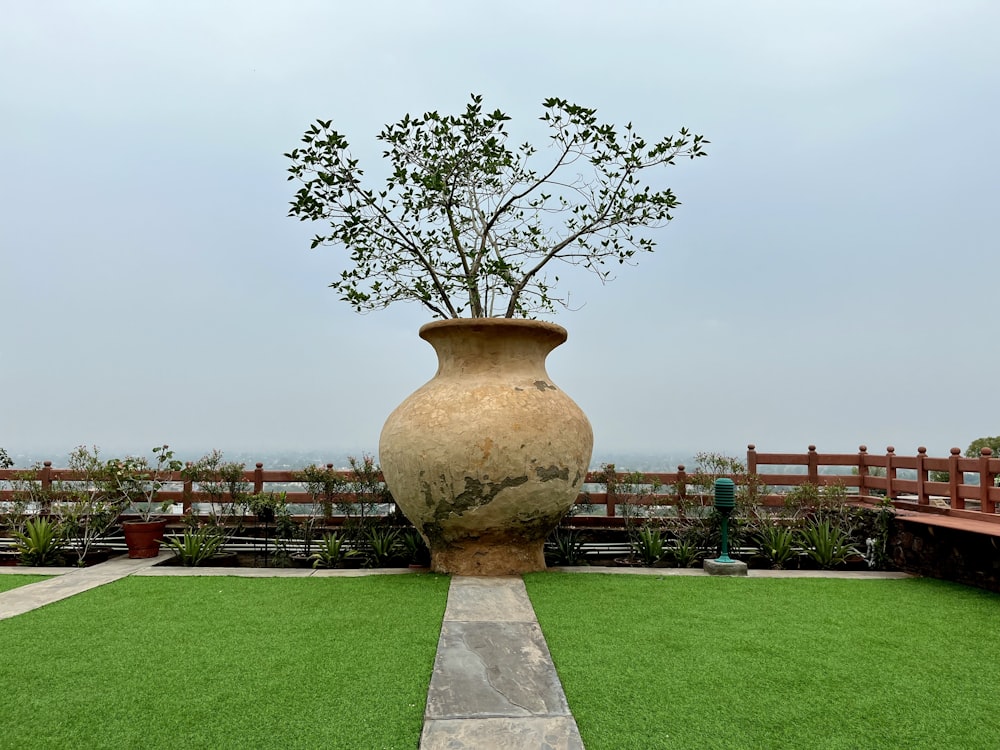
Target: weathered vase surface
489 455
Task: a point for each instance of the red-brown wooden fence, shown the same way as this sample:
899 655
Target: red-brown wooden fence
976 499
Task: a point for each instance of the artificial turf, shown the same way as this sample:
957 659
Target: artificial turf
701 663
14 580
224 662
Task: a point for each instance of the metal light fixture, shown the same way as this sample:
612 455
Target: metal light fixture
725 503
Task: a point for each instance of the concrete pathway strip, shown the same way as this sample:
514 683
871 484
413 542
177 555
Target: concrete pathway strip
494 684
34 595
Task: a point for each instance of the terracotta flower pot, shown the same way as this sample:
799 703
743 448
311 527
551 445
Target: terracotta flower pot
143 537
489 455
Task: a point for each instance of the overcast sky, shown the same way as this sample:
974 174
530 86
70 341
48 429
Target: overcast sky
830 278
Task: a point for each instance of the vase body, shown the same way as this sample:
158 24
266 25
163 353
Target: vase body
489 455
143 537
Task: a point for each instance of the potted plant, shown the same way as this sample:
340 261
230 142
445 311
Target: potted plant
138 483
487 456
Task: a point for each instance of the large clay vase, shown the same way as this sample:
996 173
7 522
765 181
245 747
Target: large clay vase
489 455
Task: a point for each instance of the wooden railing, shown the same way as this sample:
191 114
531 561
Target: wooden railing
260 479
976 499
868 478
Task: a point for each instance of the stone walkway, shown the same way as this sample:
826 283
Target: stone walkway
494 684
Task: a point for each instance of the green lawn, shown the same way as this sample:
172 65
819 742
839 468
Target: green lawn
703 663
224 663
10 581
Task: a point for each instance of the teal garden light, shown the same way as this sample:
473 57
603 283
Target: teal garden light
725 503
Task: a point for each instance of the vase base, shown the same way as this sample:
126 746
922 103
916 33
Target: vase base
489 558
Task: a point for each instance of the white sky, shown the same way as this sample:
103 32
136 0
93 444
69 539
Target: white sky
831 277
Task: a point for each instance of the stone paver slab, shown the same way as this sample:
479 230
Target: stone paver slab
552 733
499 669
501 599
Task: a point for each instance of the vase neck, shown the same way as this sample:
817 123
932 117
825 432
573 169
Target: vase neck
469 346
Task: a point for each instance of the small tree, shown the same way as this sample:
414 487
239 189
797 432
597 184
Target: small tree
228 489
89 506
976 446
29 498
363 491
323 483
465 226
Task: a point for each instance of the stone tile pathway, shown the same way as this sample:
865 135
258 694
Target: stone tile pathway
494 684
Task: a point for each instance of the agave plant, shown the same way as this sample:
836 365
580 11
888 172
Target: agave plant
332 551
383 545
565 547
685 553
648 545
416 548
195 546
827 544
777 544
40 543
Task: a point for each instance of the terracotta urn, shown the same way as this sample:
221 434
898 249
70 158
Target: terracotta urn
143 537
489 455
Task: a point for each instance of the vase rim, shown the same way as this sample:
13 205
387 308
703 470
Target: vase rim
554 330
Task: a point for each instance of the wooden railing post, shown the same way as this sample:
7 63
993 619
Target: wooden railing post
681 484
862 471
922 497
187 489
45 477
985 481
610 479
813 459
890 472
258 478
955 478
751 459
